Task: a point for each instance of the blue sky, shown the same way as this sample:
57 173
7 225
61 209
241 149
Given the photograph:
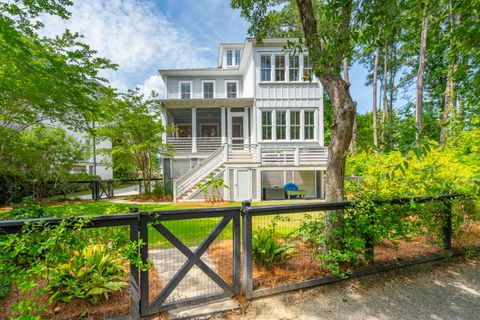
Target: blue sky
143 36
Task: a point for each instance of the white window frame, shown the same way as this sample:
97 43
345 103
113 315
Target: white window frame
290 68
302 68
214 89
269 69
272 127
285 125
226 57
180 89
237 62
284 67
237 86
314 124
299 124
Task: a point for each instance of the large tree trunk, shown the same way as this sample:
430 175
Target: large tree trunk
375 77
343 112
346 77
421 67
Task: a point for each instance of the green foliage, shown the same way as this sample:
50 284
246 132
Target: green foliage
29 210
212 188
135 127
93 272
268 250
5 286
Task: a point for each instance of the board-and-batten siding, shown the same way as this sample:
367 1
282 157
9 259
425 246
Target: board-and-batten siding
288 95
220 90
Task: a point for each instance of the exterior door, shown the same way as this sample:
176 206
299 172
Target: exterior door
237 130
243 185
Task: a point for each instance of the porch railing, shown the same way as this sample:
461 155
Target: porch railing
198 144
294 156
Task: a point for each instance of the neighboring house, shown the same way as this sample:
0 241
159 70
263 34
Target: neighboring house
93 165
254 120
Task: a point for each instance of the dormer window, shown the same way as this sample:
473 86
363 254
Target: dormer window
185 89
237 57
233 58
229 58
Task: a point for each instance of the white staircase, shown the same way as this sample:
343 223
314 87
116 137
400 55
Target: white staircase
185 187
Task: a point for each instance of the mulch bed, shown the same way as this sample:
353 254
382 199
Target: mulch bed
117 305
304 265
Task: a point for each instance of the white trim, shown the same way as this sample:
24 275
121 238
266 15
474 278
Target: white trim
180 89
237 86
214 88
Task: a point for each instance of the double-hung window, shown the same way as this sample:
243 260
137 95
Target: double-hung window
307 69
237 57
294 70
309 125
208 89
295 125
185 89
231 89
266 125
265 68
279 68
281 124
229 58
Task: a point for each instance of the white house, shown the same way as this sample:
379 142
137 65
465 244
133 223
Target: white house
255 120
95 165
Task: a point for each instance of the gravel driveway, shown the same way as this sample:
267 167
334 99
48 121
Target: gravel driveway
447 289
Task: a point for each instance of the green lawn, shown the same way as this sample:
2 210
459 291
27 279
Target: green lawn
191 232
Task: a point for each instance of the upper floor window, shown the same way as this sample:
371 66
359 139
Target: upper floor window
307 68
237 57
266 125
279 68
294 70
294 125
229 57
265 68
231 88
208 89
309 125
185 89
281 117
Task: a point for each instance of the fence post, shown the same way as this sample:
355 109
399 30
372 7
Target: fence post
447 227
134 275
144 286
247 274
236 253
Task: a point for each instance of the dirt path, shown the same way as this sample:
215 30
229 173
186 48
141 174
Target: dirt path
443 290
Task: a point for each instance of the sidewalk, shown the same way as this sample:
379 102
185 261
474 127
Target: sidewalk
447 289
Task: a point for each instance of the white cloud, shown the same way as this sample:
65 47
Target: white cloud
133 34
153 83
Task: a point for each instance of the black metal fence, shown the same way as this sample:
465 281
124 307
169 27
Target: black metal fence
196 255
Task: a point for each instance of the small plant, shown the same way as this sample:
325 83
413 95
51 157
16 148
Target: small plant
93 272
268 250
212 188
5 286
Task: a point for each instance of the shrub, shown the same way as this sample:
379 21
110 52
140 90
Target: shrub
4 286
29 210
268 250
92 272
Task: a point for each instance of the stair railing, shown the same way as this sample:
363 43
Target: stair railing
200 171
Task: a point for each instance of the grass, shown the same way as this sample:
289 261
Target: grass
191 232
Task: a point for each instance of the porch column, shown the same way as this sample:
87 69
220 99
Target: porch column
164 123
246 135
258 181
229 123
223 129
194 130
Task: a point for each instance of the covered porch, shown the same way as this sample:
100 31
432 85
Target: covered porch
203 125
